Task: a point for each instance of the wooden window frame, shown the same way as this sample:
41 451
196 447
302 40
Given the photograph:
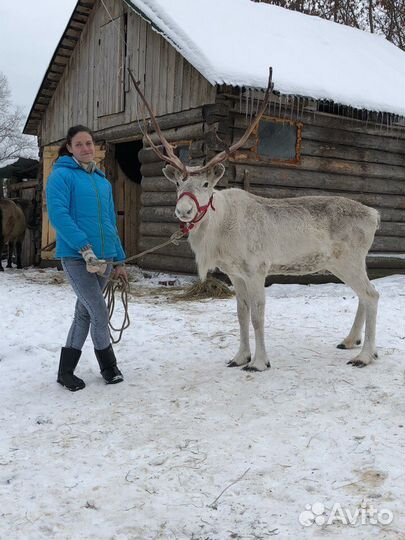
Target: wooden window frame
252 153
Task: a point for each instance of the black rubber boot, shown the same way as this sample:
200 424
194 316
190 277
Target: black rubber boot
108 365
69 359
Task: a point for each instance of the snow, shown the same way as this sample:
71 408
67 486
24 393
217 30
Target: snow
150 458
236 41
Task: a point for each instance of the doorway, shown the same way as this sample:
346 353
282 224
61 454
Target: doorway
127 193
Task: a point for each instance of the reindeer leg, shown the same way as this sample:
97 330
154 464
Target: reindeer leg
356 277
257 297
354 337
18 250
10 254
243 356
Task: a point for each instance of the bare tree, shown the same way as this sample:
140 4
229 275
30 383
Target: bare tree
385 17
13 143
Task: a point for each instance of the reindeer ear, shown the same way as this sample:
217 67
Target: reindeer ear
172 174
217 173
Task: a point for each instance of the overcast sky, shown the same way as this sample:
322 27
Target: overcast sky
29 33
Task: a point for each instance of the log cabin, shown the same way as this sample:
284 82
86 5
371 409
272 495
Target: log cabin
335 123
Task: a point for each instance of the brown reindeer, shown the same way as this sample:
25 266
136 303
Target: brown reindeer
12 230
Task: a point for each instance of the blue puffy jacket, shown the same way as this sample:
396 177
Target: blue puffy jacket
81 209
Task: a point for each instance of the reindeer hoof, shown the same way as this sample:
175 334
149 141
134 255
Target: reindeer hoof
375 355
234 363
250 368
357 363
341 346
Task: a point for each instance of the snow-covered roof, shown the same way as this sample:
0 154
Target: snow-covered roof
235 41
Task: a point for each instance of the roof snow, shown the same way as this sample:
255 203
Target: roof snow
235 41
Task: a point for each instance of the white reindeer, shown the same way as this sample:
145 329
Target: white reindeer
249 237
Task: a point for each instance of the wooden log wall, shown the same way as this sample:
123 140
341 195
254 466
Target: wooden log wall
339 156
342 157
157 219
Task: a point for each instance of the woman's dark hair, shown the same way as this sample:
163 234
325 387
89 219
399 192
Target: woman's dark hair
74 130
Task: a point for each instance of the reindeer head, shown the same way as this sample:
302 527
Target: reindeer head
195 185
194 193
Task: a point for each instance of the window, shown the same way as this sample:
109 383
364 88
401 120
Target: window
277 140
182 150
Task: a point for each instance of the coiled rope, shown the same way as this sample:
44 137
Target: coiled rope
121 287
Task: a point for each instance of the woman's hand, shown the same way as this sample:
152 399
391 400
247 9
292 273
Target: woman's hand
120 273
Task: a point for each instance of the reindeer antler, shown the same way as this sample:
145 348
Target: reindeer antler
171 156
222 156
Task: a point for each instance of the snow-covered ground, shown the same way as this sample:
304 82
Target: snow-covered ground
188 449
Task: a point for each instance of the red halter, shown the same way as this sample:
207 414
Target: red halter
201 211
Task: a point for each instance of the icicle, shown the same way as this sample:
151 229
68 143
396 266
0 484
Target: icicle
381 121
292 107
279 106
240 99
246 103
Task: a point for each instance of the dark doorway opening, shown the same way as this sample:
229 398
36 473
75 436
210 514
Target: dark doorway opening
127 193
126 155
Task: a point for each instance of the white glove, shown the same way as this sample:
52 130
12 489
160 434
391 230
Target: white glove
93 264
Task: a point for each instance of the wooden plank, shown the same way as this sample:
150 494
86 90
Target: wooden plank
155 67
181 133
158 198
132 131
110 71
151 169
48 233
163 74
178 82
333 135
186 82
344 152
182 250
149 59
370 199
392 229
293 177
157 183
164 230
389 243
168 263
158 214
112 9
333 122
171 77
356 140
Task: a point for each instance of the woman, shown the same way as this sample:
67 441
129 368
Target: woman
81 209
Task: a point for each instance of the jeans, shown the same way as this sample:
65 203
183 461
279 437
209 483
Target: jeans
90 311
